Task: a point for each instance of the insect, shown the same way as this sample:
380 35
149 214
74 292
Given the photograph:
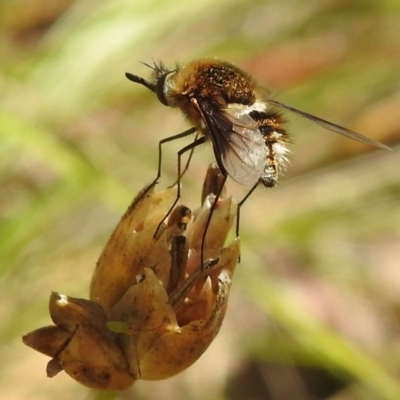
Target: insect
224 104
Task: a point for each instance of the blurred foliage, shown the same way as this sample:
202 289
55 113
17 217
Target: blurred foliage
319 282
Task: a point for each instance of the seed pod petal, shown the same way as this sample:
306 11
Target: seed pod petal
81 344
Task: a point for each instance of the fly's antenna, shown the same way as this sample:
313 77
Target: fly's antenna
141 81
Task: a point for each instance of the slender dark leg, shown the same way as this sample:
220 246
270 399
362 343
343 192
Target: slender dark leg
240 205
189 147
187 163
170 139
214 204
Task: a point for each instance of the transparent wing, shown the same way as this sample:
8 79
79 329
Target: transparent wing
238 145
331 126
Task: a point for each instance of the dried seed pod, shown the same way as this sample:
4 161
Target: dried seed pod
81 344
154 309
132 247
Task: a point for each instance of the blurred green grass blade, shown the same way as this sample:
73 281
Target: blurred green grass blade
84 47
76 178
334 351
71 166
34 139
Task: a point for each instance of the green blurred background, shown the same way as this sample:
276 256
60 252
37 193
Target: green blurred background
315 308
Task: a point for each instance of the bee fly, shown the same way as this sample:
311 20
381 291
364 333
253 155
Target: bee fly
224 104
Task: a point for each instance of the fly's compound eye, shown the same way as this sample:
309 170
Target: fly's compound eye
160 88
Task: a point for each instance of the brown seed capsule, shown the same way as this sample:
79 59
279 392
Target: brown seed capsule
154 308
81 344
